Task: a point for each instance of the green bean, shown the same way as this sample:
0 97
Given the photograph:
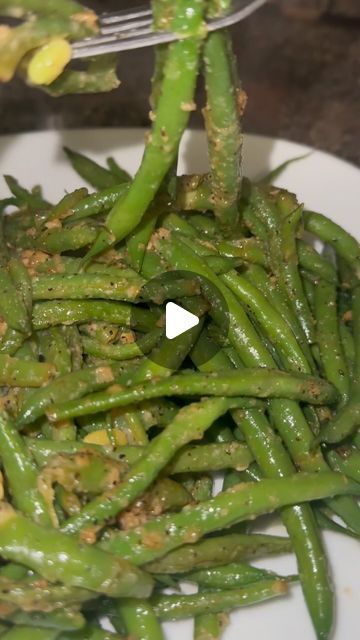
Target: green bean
272 176
53 347
25 198
190 423
211 457
11 341
172 115
228 576
272 292
346 421
74 344
253 223
94 285
174 222
96 175
22 633
58 240
193 193
223 130
106 286
21 473
247 249
98 203
178 607
139 619
31 545
260 383
221 264
63 209
71 385
312 261
346 460
219 550
331 233
120 174
190 459
29 595
138 241
170 353
152 265
103 332
17 230
325 521
203 224
122 351
346 283
281 231
309 289
161 52
291 275
12 307
129 422
22 282
157 413
13 571
99 76
52 622
272 323
15 372
46 314
165 495
202 488
328 338
207 627
238 503
348 347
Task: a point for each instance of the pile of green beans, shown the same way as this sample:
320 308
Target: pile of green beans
110 434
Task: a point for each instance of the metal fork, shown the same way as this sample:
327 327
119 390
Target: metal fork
132 29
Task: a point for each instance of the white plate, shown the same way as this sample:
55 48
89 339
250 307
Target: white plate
324 183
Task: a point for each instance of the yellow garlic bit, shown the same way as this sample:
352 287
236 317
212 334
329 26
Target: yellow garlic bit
49 61
102 437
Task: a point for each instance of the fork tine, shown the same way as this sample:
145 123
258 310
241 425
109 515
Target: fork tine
130 32
124 15
88 49
124 36
119 27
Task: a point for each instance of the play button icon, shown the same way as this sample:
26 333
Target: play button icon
178 320
172 312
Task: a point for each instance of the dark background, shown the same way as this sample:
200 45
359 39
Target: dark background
300 67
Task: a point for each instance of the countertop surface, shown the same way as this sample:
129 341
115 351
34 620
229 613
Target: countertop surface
302 79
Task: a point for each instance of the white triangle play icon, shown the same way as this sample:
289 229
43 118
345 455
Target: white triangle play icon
178 320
